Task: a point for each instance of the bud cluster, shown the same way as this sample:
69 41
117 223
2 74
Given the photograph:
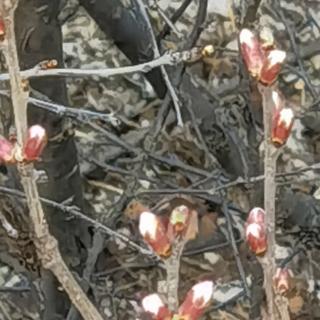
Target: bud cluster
261 59
31 150
192 308
160 234
264 62
255 230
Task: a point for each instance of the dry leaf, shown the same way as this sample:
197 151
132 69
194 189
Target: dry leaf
134 209
296 304
208 225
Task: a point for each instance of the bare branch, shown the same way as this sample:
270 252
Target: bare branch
275 303
46 244
160 61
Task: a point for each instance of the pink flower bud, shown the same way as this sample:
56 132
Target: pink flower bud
251 51
196 301
282 123
35 143
153 232
6 151
256 238
256 215
2 29
154 306
272 66
282 280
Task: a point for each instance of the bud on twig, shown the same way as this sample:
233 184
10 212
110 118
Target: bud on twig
6 151
256 238
252 53
272 66
153 232
196 301
262 62
154 306
282 280
282 123
35 143
255 229
179 219
2 29
266 38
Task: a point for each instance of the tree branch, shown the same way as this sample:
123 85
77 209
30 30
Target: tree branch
46 244
275 303
166 59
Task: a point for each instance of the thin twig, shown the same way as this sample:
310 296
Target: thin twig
235 248
62 110
14 289
175 17
171 89
37 71
172 265
75 212
295 48
166 19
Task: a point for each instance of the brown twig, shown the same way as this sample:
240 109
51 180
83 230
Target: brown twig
172 265
37 71
275 303
46 244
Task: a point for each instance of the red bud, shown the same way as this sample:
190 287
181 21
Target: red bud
251 51
35 143
256 238
154 306
6 151
2 29
272 66
154 233
256 215
196 301
282 123
282 280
